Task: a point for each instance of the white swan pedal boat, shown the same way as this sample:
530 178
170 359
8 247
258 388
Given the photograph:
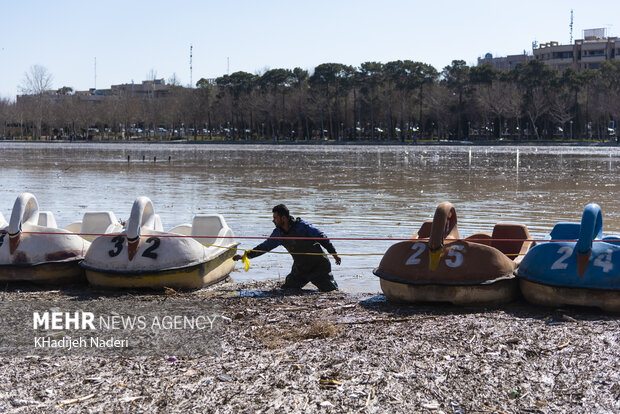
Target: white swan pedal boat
33 248
144 256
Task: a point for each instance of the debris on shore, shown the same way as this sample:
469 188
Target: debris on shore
336 352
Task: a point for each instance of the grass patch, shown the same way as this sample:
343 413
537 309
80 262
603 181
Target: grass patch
277 338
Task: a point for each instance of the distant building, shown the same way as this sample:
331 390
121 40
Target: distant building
506 62
156 88
586 53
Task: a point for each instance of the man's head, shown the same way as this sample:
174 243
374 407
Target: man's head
281 216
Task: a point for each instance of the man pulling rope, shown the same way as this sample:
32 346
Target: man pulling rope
313 268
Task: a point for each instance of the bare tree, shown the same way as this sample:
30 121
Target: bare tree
502 99
36 82
536 107
439 99
174 80
5 116
152 75
560 109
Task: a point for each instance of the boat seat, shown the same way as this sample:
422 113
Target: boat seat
75 227
504 233
482 237
98 222
158 226
612 240
565 231
185 229
425 230
210 225
46 219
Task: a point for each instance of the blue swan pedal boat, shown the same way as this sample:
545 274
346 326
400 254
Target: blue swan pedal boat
144 256
33 248
585 272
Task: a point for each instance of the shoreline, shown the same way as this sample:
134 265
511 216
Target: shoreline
335 143
336 352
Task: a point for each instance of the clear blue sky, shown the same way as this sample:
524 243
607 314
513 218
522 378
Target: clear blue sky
131 38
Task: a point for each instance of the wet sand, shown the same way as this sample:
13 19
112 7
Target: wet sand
338 352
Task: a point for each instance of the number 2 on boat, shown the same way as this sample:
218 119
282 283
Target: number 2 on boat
454 256
418 249
602 260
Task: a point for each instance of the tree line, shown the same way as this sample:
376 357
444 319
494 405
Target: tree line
398 101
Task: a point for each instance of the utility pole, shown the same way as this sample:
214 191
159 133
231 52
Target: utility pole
191 83
571 26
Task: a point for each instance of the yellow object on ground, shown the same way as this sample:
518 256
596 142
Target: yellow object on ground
246 261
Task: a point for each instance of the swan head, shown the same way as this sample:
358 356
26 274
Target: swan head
591 228
444 225
142 215
25 210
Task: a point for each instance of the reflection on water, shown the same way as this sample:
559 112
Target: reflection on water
346 191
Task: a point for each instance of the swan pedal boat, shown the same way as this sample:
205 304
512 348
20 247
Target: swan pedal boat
584 272
434 266
33 248
144 256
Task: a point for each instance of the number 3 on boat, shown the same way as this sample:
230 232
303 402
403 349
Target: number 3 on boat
144 256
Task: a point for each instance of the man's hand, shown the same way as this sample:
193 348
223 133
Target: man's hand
237 257
337 259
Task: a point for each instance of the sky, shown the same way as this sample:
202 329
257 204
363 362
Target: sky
132 40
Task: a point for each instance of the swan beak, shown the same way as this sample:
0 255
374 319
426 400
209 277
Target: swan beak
582 263
132 248
435 255
14 241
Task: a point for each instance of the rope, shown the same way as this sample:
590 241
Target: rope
246 260
315 238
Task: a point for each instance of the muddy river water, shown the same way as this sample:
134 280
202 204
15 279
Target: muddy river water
359 192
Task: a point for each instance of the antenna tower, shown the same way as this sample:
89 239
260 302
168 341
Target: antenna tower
571 26
191 83
95 73
228 66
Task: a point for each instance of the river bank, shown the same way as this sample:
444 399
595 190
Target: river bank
426 142
337 352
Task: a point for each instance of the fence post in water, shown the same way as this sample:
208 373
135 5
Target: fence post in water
128 158
169 159
155 159
143 157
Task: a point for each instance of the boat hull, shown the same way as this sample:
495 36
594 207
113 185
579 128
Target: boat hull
190 277
498 292
547 295
45 273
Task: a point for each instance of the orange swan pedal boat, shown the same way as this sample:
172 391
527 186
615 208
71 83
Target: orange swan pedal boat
437 266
